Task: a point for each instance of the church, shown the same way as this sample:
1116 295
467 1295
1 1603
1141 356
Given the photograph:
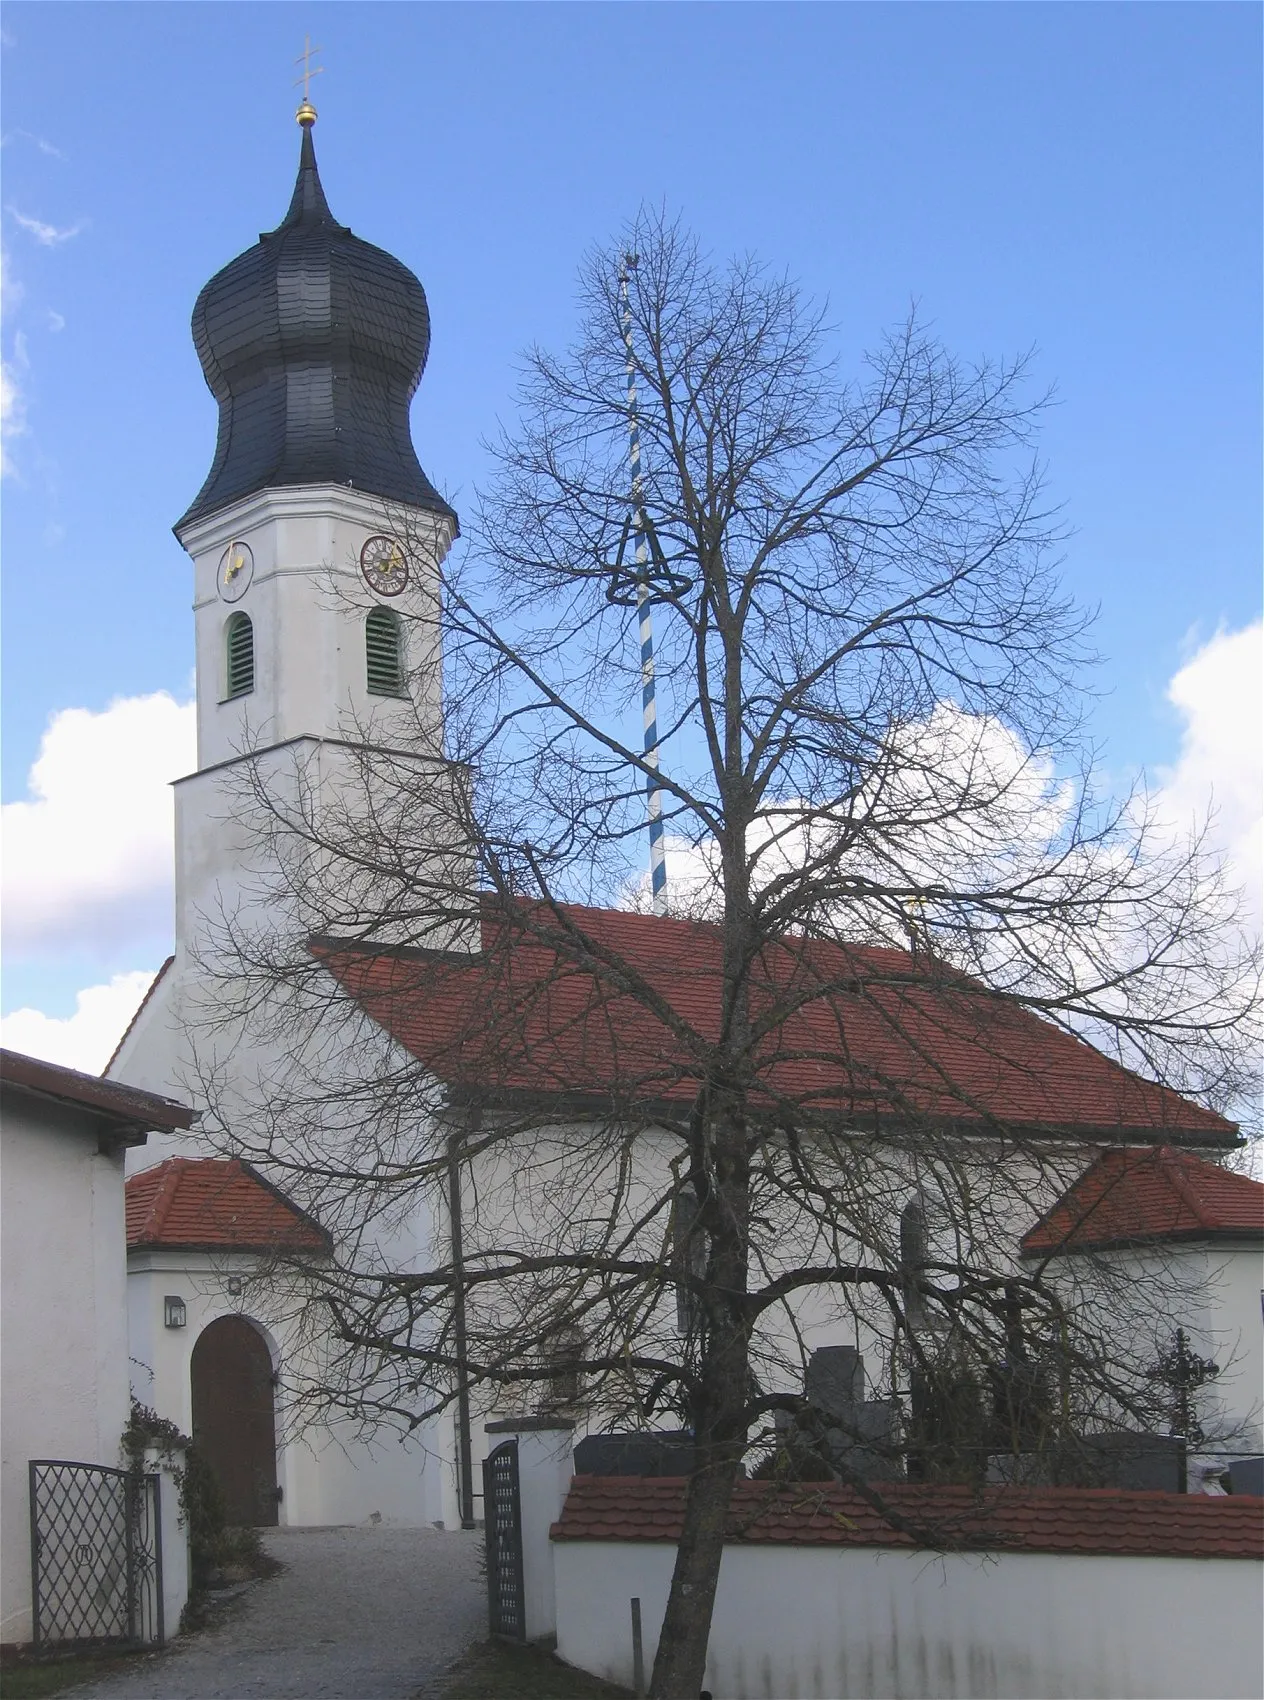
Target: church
315 641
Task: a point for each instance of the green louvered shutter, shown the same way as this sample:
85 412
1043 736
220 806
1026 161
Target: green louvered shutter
239 644
382 657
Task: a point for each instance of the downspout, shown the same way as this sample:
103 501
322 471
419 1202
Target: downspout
465 1456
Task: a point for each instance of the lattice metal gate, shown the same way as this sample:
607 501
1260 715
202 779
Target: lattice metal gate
502 1513
96 1554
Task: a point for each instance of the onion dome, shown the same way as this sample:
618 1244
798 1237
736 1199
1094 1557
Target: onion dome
312 343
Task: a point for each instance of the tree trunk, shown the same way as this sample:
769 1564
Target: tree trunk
681 1661
719 1424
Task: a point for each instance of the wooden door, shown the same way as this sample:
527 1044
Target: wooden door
234 1421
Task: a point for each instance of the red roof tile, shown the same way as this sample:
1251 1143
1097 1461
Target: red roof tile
1150 1194
1079 1520
215 1203
855 1030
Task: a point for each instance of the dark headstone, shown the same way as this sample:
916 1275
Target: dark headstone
1150 1463
1246 1475
862 1443
634 1455
835 1380
1021 1469
1147 1463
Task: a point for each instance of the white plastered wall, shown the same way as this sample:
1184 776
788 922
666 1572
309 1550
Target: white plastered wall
821 1623
1212 1291
550 1186
62 1287
326 1473
1235 1281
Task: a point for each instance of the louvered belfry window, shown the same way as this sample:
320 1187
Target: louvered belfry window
239 655
382 645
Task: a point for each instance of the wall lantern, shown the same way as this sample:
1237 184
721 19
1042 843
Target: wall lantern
173 1312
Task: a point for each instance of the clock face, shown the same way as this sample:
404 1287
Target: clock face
236 567
383 565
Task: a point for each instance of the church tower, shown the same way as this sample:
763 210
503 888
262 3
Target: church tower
316 537
316 541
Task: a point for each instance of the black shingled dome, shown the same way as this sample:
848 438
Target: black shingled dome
313 343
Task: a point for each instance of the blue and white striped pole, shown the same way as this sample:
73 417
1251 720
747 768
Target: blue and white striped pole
653 792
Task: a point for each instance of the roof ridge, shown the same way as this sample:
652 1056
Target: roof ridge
282 1198
1180 1180
164 1195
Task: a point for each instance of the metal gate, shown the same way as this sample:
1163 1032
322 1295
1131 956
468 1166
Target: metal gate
502 1515
96 1554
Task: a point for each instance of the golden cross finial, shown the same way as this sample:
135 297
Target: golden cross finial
306 113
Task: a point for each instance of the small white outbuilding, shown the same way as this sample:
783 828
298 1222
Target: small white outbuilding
63 1288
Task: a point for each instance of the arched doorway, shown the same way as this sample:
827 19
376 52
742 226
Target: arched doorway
234 1421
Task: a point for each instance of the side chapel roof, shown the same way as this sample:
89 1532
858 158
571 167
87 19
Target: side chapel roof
1147 1195
852 1030
215 1204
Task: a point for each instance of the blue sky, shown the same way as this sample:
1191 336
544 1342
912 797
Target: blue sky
1085 179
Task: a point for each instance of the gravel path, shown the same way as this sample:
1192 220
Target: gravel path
357 1614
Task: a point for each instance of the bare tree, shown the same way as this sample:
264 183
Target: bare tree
663 1157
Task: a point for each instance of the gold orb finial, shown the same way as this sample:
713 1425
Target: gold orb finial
306 114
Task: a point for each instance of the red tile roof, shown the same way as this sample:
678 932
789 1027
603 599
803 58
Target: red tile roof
1145 1195
1079 1520
547 1008
124 1111
215 1203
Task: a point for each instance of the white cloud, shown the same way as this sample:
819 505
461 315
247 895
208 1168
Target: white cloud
47 235
10 288
12 414
916 830
41 142
56 321
86 1039
12 402
957 802
88 859
1218 694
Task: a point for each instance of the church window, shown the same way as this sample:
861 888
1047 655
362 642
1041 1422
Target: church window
383 645
563 1358
239 656
913 1258
688 1260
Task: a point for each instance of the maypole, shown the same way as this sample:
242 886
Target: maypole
653 791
